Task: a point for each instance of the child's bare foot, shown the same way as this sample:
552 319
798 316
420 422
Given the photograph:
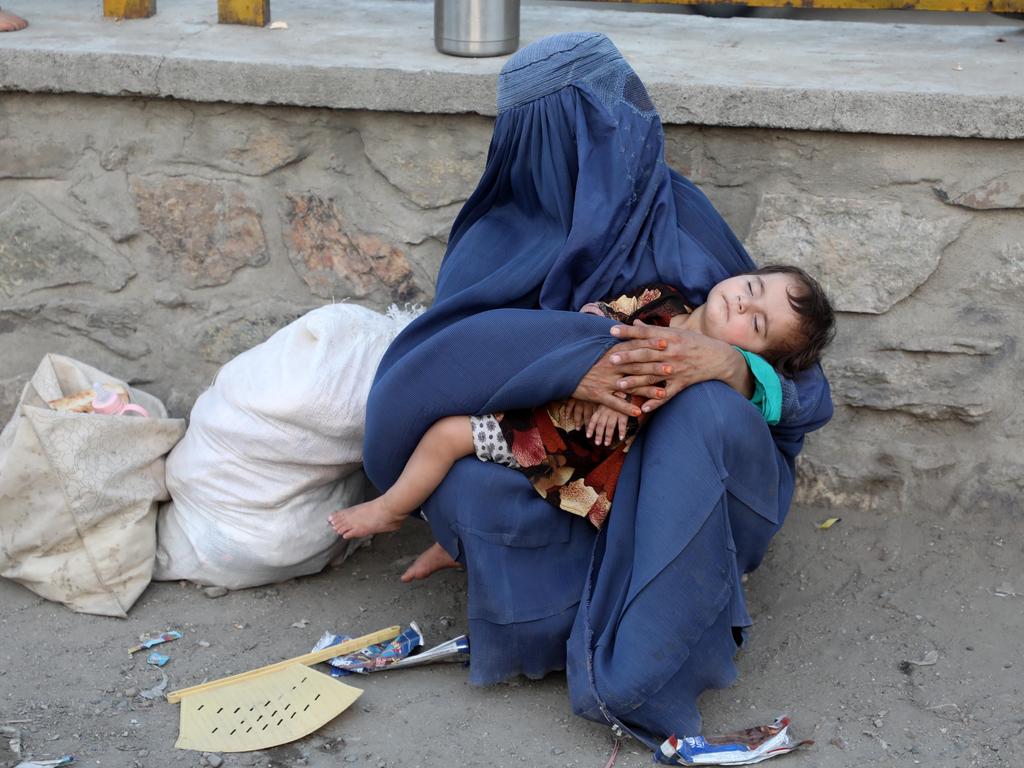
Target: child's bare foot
430 561
363 519
11 23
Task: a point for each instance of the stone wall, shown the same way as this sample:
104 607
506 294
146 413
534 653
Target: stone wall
157 239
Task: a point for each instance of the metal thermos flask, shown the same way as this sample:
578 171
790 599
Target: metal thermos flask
476 27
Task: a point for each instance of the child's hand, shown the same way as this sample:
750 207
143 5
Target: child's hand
579 412
603 423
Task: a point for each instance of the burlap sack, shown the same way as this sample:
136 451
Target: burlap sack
79 492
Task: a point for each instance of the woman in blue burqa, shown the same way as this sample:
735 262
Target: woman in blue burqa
576 203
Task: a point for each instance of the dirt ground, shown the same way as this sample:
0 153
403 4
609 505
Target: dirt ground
836 613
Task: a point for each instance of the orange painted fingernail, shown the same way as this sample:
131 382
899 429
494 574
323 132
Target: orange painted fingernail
635 411
660 393
662 343
666 369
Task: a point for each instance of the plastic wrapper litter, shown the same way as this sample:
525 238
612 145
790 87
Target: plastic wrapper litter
743 748
373 658
454 650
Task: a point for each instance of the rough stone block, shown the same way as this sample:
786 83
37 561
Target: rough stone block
1003 191
857 483
945 345
869 254
228 335
38 250
919 388
114 327
336 260
33 144
1008 279
10 392
243 142
433 161
106 202
210 229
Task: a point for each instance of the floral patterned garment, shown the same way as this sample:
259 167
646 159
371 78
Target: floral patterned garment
552 449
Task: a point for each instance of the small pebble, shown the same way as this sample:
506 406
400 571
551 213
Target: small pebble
351 758
557 751
143 753
215 592
214 761
204 643
131 692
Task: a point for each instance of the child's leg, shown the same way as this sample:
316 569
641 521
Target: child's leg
447 441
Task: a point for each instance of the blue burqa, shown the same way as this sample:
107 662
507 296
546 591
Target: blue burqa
576 203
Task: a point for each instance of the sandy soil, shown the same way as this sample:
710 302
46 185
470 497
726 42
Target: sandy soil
836 613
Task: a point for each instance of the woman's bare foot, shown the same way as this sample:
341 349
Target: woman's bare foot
11 23
430 561
364 519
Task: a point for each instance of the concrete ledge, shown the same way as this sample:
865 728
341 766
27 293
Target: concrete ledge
823 76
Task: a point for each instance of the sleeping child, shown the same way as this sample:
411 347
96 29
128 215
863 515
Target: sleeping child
572 451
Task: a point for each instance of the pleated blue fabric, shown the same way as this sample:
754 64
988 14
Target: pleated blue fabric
576 203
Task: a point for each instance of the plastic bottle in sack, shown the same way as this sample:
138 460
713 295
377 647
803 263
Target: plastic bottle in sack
112 404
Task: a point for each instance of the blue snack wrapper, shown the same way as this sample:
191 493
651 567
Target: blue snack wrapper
373 658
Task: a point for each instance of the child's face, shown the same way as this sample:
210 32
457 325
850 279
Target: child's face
752 312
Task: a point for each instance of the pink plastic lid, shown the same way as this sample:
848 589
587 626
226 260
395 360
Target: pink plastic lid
104 400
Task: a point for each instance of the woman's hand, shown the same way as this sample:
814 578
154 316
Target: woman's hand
653 354
600 385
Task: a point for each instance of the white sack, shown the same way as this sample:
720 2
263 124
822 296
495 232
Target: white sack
78 492
272 448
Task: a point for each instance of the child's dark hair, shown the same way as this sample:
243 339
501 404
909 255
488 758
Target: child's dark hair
817 321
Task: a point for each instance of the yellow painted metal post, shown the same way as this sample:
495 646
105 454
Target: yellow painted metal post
129 9
255 13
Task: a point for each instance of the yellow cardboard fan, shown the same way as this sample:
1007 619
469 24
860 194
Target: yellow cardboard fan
268 706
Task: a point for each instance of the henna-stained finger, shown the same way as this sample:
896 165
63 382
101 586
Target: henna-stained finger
649 406
637 331
634 356
645 369
618 405
630 383
650 393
